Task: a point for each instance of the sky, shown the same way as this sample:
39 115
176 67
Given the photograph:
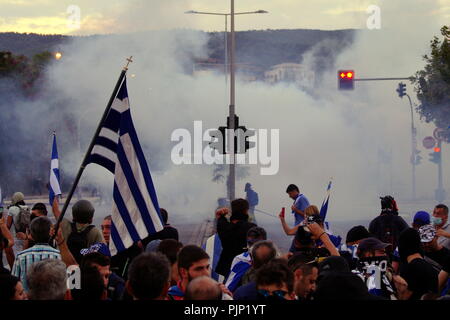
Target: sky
123 16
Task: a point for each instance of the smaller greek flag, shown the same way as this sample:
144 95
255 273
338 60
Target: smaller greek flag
54 187
324 208
213 248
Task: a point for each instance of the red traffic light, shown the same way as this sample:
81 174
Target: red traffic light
437 149
345 79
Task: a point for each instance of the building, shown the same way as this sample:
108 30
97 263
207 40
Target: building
290 72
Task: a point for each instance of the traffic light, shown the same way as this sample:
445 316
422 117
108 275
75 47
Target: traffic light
218 139
401 89
436 155
346 79
416 158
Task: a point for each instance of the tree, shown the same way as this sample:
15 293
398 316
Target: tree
432 84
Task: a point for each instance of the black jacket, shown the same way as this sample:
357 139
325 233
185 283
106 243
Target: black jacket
387 228
234 241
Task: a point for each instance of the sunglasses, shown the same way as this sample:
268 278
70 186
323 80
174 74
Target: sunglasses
280 294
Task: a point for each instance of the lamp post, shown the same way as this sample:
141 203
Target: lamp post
231 181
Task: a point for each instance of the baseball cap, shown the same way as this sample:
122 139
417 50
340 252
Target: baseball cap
372 244
99 247
17 197
357 233
333 264
421 218
427 233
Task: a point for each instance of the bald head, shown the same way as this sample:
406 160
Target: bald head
203 288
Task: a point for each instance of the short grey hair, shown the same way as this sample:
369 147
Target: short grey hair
47 280
203 288
259 261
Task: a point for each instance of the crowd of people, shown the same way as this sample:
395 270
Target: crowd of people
389 260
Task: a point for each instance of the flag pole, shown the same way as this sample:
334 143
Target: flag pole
91 146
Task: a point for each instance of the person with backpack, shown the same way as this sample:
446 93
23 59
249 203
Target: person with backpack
388 225
19 216
79 233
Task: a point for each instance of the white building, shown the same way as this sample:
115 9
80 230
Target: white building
290 72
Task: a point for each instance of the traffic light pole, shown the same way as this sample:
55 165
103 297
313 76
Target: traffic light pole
231 146
441 193
413 149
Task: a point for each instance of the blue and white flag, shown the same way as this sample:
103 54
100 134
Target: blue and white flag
135 212
54 188
213 248
324 208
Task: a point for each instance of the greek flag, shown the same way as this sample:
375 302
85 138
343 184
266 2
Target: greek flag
324 208
135 212
54 188
213 248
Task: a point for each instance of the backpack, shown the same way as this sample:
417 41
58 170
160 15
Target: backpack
388 232
78 240
23 219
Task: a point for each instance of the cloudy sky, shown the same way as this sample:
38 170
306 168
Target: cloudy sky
122 16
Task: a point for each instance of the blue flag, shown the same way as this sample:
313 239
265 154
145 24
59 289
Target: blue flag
54 188
135 212
324 208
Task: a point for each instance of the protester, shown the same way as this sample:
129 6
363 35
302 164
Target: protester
434 253
375 268
149 277
18 216
168 232
92 286
170 248
80 233
233 234
300 203
121 261
262 253
305 271
253 200
349 249
420 276
11 288
193 262
421 218
98 256
6 241
40 232
241 263
203 288
440 221
388 225
47 280
275 281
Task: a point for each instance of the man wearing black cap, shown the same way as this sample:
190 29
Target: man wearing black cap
374 266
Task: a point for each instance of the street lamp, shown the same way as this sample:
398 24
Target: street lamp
226 29
232 174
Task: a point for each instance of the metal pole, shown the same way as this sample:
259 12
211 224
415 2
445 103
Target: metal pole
440 196
232 175
413 149
88 152
226 53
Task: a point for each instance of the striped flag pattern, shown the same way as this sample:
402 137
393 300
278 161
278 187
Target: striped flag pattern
324 208
135 212
54 185
213 248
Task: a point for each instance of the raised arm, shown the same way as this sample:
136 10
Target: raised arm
287 230
55 208
4 230
66 255
320 234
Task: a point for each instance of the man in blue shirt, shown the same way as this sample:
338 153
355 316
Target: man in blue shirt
300 203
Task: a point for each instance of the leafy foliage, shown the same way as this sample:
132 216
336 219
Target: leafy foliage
432 84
